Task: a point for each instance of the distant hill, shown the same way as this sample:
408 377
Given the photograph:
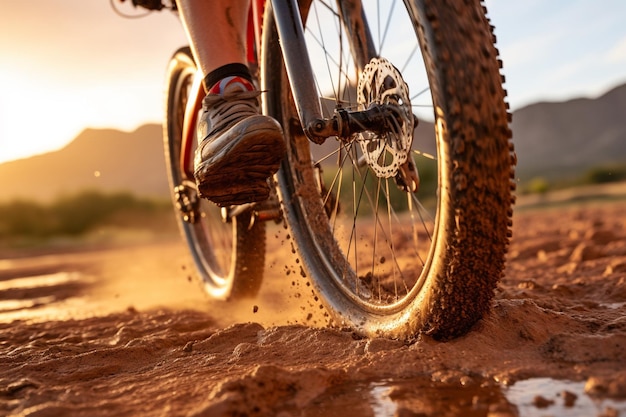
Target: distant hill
103 159
557 140
553 140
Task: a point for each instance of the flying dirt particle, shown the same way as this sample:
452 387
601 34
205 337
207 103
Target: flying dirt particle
255 309
382 260
309 316
302 273
189 278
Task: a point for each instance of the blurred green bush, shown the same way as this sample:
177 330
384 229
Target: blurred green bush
77 214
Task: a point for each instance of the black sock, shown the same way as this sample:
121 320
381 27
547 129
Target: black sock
228 70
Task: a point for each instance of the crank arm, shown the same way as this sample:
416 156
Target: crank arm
261 211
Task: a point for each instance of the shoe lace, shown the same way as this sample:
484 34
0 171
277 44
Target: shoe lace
224 110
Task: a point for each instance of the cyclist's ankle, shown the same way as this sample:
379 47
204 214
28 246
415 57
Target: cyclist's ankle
220 79
233 82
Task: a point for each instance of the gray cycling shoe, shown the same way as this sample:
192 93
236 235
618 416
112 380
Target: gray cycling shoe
240 148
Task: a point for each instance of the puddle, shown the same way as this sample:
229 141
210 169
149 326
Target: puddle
52 295
537 397
414 397
540 397
613 306
46 280
15 305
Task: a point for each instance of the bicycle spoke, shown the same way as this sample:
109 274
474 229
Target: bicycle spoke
383 233
373 212
381 42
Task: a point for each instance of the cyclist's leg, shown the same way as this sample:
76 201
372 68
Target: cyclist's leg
222 42
240 148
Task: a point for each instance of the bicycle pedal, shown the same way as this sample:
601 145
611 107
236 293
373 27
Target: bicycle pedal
260 211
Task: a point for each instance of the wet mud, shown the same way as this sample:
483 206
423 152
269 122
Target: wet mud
127 331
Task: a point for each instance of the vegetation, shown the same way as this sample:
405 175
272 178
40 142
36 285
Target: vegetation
596 175
77 215
538 185
606 174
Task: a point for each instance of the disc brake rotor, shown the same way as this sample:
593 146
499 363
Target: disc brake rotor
381 83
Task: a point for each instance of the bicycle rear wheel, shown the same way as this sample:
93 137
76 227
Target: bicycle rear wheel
228 251
384 260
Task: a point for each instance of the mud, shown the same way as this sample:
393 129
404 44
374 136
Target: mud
127 331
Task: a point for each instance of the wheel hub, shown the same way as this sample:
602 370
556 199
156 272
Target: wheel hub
382 84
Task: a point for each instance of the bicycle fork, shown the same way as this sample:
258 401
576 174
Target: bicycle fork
291 35
379 117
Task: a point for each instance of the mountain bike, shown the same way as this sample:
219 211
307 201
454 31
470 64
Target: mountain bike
397 187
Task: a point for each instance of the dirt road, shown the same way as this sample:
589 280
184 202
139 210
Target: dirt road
127 331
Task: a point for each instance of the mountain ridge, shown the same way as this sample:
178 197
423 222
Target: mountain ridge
552 140
555 139
107 160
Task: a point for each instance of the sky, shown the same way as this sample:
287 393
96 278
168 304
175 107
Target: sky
67 65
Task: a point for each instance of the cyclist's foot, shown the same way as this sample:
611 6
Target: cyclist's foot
240 148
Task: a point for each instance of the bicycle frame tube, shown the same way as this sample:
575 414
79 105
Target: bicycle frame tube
194 103
293 45
291 35
255 23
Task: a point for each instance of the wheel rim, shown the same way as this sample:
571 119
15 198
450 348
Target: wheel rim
210 238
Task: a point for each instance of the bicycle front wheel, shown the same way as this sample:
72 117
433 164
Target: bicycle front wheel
386 259
228 251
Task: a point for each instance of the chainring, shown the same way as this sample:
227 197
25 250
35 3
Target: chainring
381 83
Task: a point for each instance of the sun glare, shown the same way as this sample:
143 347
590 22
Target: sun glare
41 118
32 120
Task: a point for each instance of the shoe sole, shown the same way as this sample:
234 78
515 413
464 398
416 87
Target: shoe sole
241 176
